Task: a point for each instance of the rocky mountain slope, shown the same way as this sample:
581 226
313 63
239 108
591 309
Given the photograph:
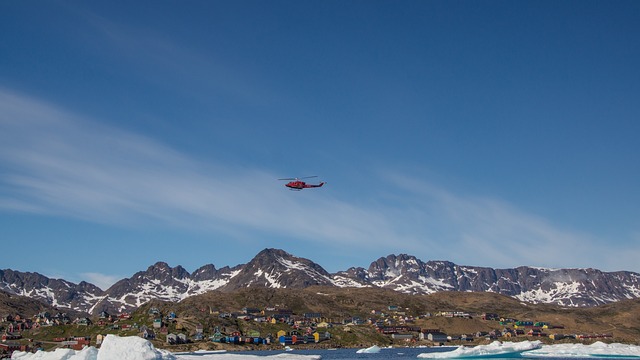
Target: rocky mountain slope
567 287
274 268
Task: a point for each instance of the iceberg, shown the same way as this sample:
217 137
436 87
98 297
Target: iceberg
89 353
113 348
534 349
135 348
597 349
495 349
130 348
370 350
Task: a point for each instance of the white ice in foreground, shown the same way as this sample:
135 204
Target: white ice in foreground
90 353
370 350
581 350
495 348
135 348
113 348
535 349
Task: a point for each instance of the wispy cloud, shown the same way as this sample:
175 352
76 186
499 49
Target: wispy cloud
491 232
57 163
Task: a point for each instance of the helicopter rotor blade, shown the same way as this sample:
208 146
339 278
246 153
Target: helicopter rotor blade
305 177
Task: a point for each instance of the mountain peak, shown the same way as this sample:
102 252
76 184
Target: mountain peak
272 253
276 268
162 270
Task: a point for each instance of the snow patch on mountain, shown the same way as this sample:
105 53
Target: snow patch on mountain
344 282
277 269
293 265
271 280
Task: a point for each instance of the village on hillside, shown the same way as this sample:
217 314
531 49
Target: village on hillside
268 327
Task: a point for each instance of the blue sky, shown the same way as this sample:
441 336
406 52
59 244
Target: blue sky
487 133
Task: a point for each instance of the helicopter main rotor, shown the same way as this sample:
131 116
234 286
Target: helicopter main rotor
300 178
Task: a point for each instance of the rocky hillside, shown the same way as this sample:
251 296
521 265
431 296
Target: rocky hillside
274 268
620 319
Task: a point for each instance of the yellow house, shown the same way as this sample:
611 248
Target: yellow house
316 337
323 324
281 333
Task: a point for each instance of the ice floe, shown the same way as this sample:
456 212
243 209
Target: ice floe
536 349
135 348
370 350
597 349
495 349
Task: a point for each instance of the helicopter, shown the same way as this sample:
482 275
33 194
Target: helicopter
297 184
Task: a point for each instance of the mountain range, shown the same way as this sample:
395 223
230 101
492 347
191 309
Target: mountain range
275 268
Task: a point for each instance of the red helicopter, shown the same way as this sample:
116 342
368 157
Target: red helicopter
297 184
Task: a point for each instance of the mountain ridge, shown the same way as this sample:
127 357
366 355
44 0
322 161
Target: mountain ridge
275 268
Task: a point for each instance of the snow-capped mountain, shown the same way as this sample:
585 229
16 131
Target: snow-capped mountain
56 292
278 269
275 268
566 287
160 281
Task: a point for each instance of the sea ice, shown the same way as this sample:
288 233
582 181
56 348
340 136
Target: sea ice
581 350
135 348
535 349
495 348
370 350
89 353
130 348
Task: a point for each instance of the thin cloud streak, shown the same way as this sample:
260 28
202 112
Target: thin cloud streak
56 163
67 166
496 233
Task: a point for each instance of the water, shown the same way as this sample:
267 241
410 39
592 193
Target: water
412 353
350 354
